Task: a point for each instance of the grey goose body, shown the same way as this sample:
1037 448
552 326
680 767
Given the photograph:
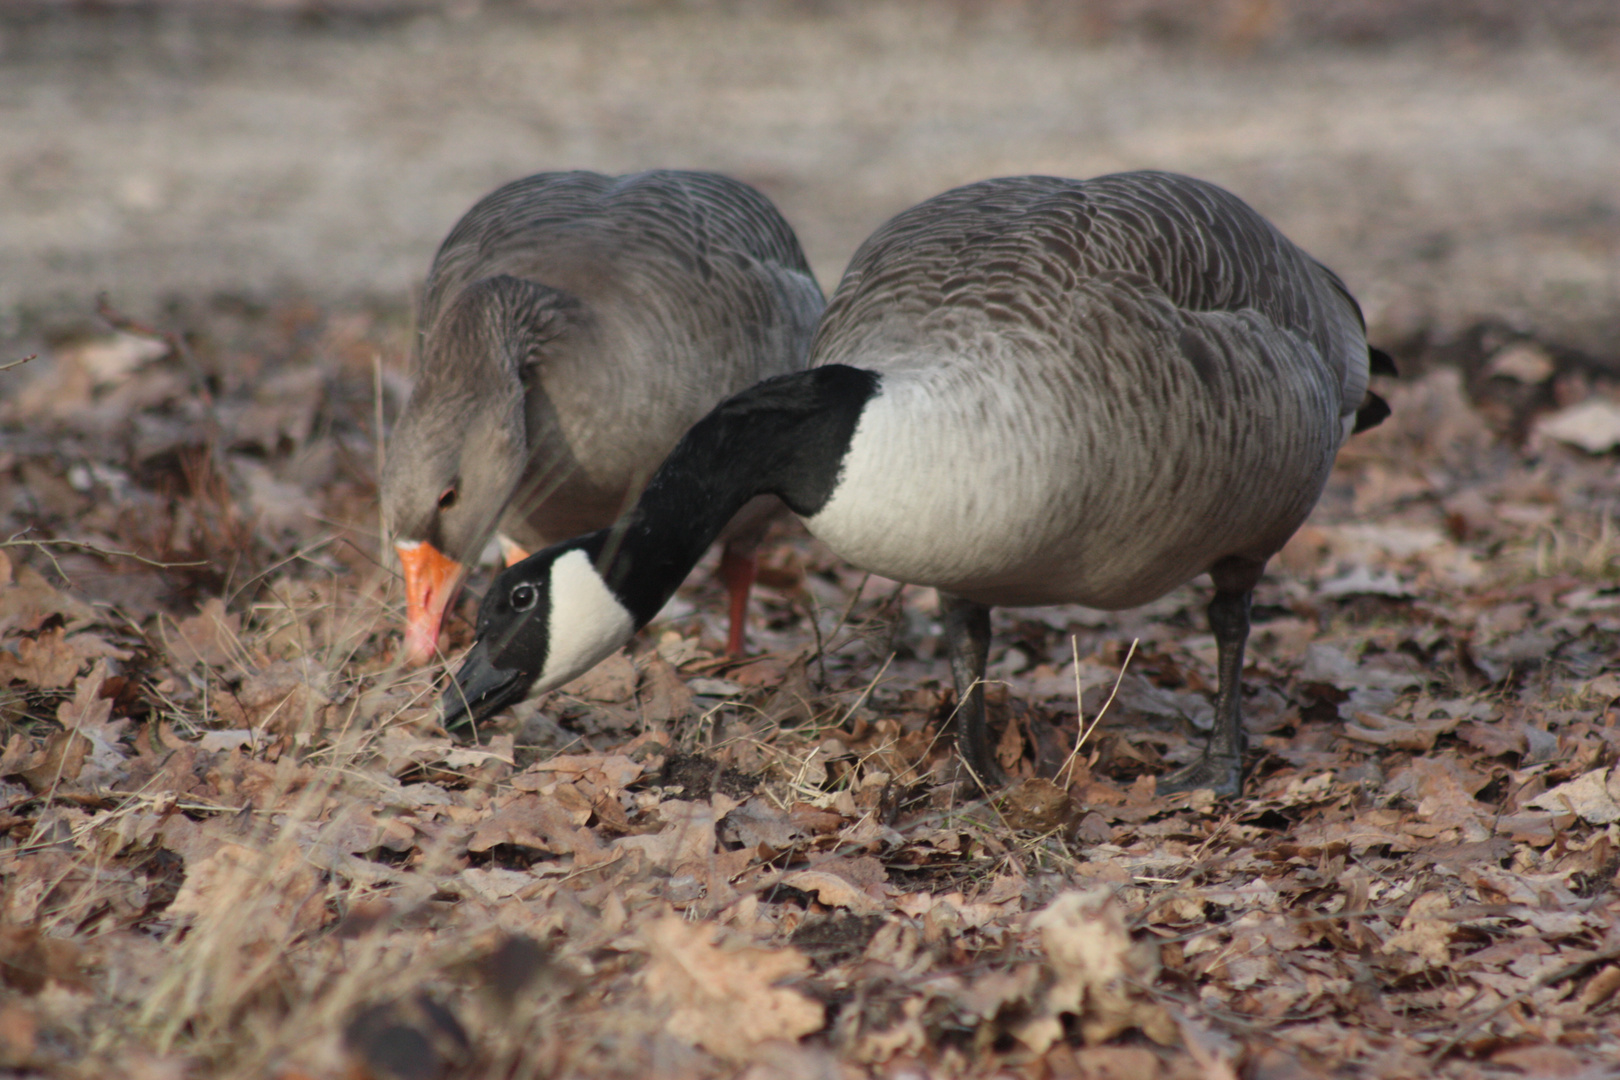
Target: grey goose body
573 326
1024 391
1091 392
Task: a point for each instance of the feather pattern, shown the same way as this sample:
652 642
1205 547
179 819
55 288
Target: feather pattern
618 310
573 326
1091 390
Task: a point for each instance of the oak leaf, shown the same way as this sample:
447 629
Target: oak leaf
723 998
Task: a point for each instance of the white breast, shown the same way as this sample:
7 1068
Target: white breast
1029 476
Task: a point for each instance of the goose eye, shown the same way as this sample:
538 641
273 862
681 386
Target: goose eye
447 498
523 597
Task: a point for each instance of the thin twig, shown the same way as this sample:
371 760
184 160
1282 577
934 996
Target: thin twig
1084 731
95 549
864 694
19 363
382 458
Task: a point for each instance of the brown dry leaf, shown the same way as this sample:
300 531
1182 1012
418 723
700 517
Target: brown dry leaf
1443 792
900 1032
602 772
1419 735
539 822
87 711
283 407
664 696
43 768
285 898
211 637
833 890
1424 938
725 998
52 660
1114 1063
1593 425
1601 988
286 696
1593 796
90 715
613 681
29 959
67 383
358 829
19 1035
1494 739
1001 991
1093 962
27 600
1544 1062
759 821
1524 362
688 837
399 750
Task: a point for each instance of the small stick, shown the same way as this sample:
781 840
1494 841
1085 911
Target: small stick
95 549
1085 732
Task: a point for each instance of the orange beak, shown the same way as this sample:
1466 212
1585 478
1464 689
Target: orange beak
431 582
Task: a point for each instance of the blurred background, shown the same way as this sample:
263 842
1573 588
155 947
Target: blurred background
1454 160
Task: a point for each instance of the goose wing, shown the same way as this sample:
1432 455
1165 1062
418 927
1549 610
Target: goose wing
1008 256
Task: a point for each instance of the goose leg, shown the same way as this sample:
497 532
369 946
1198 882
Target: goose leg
1221 765
967 632
738 568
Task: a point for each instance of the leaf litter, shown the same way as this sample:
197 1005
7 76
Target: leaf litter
236 843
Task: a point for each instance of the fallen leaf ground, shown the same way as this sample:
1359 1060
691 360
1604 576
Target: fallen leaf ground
236 844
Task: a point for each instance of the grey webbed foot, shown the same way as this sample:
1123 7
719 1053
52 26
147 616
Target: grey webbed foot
1224 775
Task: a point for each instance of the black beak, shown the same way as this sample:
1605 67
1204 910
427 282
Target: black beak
480 689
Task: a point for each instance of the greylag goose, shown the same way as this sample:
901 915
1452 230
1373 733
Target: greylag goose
1024 391
573 326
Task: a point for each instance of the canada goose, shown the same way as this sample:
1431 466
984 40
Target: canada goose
1024 391
574 325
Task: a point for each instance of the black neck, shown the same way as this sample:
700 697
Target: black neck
786 437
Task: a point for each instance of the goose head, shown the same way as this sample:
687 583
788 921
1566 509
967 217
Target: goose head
460 449
544 622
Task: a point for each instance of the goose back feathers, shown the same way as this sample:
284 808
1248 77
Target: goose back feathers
1024 391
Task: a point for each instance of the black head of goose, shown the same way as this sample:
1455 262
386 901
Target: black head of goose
573 326
1024 391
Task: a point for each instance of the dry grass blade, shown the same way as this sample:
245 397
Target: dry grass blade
1084 729
99 550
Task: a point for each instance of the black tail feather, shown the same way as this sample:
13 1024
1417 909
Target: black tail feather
1373 412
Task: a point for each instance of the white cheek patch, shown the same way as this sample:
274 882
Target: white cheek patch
587 624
